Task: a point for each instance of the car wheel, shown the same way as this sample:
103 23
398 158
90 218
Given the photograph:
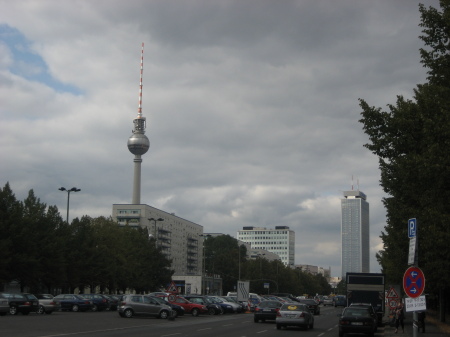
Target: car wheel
75 308
40 310
278 326
195 312
128 313
13 310
94 308
311 326
211 311
164 314
307 327
174 314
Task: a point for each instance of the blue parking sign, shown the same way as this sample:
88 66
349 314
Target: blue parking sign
412 228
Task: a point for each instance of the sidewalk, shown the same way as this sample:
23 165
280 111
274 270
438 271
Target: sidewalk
430 329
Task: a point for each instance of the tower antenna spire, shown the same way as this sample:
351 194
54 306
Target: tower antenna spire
140 82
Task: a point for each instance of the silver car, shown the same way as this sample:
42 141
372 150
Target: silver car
46 304
293 314
131 305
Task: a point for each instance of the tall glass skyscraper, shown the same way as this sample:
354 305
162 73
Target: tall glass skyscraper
355 233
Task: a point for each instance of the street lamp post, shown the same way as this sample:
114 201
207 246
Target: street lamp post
154 231
73 189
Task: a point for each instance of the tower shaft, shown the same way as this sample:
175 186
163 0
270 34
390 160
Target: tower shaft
137 180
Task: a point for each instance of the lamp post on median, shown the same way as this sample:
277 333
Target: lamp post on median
73 189
154 221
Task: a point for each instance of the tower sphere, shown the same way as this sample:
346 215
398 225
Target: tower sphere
138 144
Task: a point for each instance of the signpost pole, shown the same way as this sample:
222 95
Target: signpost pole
413 259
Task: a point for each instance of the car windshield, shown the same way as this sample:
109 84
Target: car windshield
356 313
309 301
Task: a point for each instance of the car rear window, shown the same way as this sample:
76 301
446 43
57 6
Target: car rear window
357 313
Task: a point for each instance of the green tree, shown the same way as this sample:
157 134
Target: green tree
10 211
412 141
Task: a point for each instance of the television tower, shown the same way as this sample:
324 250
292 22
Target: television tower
138 143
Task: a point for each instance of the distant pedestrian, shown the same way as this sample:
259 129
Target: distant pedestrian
399 317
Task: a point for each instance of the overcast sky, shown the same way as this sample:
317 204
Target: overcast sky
251 105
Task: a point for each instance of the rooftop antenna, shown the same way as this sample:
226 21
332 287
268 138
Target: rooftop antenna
352 182
357 183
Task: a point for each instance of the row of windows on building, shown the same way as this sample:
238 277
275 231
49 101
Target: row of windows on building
263 232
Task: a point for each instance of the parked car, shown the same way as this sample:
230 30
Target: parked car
356 320
132 305
46 304
4 306
113 302
177 310
253 302
72 302
295 314
233 299
228 307
312 305
340 301
191 308
213 308
327 301
99 302
266 310
23 303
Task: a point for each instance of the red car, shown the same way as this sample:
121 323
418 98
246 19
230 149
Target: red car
190 308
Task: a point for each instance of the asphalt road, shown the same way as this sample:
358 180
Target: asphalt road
109 324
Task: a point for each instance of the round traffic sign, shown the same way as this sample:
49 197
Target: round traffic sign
413 282
393 303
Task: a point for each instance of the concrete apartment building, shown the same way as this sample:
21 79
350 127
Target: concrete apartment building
180 239
355 233
280 241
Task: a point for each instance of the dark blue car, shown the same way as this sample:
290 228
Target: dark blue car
99 302
72 302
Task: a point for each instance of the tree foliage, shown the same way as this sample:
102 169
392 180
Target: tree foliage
412 142
43 253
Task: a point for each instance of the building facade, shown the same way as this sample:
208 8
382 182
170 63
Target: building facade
179 239
355 251
280 241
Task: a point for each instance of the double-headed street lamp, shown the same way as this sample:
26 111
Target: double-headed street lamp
154 220
73 189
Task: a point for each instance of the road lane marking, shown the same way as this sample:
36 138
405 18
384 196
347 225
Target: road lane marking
262 331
